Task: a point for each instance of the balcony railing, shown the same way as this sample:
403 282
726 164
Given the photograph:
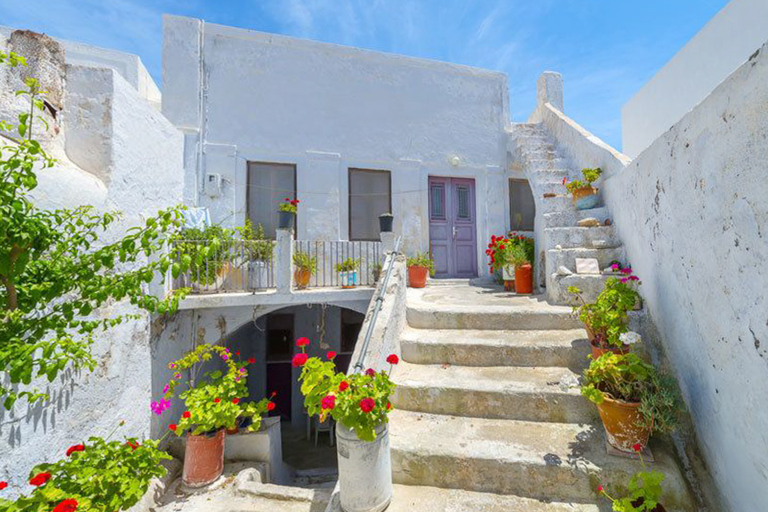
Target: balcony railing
327 254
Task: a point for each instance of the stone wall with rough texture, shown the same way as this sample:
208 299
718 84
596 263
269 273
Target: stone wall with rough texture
134 166
692 211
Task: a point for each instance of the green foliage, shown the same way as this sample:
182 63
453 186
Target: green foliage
607 316
320 380
56 270
105 476
255 246
304 261
348 265
627 377
590 176
217 401
422 259
204 252
289 205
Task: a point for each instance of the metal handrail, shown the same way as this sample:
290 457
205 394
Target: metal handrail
376 308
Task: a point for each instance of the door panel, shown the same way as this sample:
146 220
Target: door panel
452 226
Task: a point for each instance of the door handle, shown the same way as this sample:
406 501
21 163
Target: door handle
454 232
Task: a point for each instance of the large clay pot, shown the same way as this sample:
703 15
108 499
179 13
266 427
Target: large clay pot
365 470
301 277
524 279
417 277
203 459
585 198
623 423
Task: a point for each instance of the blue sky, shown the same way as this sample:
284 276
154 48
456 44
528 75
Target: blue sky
605 49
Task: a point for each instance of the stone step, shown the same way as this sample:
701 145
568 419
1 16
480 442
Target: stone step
553 175
535 164
547 394
548 461
590 286
564 348
571 216
567 257
574 237
560 203
412 498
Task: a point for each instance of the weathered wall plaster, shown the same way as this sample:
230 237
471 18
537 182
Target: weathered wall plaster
724 44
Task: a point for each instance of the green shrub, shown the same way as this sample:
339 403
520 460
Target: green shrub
422 259
348 265
304 261
590 176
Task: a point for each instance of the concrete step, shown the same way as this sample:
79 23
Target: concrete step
560 203
564 348
548 394
560 163
571 216
567 257
575 237
590 286
550 174
548 461
411 498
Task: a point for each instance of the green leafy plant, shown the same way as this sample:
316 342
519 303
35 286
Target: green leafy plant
96 476
644 488
289 205
628 378
303 261
56 269
607 317
218 401
205 252
422 259
590 176
255 246
348 265
358 401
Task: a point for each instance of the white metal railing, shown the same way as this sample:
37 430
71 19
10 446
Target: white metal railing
326 255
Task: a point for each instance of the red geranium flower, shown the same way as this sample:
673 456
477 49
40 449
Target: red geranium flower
3 485
271 406
251 360
172 426
331 355
367 405
370 372
235 401
599 487
328 402
132 445
302 342
343 386
66 506
389 406
216 400
274 394
40 479
637 447
75 448
287 199
237 353
299 360
393 359
185 415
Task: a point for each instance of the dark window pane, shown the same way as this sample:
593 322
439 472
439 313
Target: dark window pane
369 197
268 185
463 193
522 208
437 202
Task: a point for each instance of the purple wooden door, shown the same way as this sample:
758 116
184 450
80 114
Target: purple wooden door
452 232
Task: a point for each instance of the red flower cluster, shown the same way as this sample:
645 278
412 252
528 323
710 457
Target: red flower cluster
299 360
172 426
294 202
235 401
216 400
302 342
132 445
370 372
252 360
343 386
3 485
271 406
367 405
393 359
328 402
40 479
331 355
185 415
66 506
75 448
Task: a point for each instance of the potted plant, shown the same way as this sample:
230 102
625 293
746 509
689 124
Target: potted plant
360 405
304 267
256 251
499 252
385 222
213 405
644 490
206 253
419 266
605 320
287 213
584 194
632 397
347 270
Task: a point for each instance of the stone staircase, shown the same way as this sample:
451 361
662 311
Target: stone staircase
559 236
488 412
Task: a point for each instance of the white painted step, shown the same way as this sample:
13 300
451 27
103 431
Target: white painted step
423 316
550 461
567 257
547 394
571 216
573 237
565 348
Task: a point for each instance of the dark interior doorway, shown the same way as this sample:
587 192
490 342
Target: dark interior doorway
279 353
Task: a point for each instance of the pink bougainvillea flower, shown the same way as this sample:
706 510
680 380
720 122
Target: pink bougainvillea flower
367 405
224 357
299 360
40 479
177 376
3 485
302 342
393 359
331 355
66 506
615 266
271 406
242 370
75 448
172 366
166 388
343 386
328 402
370 372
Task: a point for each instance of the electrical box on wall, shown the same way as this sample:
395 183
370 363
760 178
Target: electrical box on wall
212 184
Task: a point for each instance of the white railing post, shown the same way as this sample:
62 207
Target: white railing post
284 261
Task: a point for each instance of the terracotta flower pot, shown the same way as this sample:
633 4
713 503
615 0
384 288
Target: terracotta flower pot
301 277
598 351
203 459
417 277
624 424
585 198
524 279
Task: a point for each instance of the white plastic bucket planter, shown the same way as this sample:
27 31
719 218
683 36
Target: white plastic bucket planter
365 470
259 274
508 272
348 279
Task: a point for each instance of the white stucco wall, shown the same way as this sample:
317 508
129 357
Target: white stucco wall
136 168
724 43
692 211
251 96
